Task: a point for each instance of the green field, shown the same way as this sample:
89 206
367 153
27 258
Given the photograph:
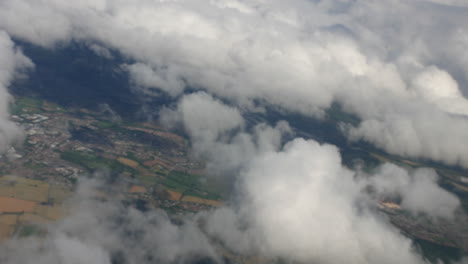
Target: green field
190 184
26 105
93 162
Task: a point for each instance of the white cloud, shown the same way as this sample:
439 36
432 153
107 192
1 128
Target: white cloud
11 60
439 88
418 191
301 56
298 201
301 204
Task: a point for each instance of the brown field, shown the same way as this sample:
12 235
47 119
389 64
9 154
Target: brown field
8 219
137 189
173 195
128 162
193 199
13 205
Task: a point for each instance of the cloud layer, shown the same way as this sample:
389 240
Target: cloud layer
295 200
292 201
300 56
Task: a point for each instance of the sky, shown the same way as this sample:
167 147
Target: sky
400 66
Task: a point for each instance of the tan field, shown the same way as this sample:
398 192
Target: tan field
390 205
194 199
151 163
173 195
58 194
137 189
128 162
32 218
8 219
175 138
24 189
49 212
7 191
13 205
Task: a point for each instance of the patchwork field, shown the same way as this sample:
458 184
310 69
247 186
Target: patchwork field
28 202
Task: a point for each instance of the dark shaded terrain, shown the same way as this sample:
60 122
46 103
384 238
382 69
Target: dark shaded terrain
72 75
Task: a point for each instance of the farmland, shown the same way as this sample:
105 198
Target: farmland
64 143
26 201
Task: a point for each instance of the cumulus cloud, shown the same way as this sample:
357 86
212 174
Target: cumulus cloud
295 201
299 202
11 62
418 191
218 133
219 118
439 88
304 205
301 56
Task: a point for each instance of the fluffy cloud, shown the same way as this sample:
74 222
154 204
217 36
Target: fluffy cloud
11 60
293 201
419 192
300 56
305 206
298 201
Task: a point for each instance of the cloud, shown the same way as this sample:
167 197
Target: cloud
298 202
293 201
439 88
217 132
219 118
305 206
301 56
12 61
418 191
